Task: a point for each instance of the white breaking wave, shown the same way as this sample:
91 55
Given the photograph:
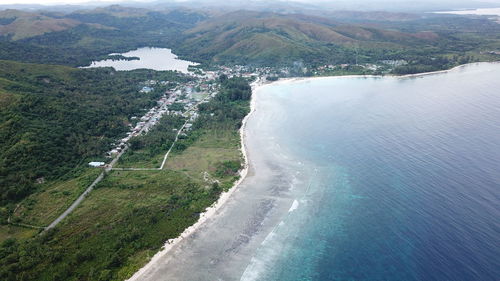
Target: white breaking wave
294 206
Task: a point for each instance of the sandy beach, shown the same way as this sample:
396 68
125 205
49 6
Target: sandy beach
159 258
241 218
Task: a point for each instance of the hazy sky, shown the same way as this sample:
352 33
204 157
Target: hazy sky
51 2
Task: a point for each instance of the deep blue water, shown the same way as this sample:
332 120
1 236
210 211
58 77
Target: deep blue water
403 178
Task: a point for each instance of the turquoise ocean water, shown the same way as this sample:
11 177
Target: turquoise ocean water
400 178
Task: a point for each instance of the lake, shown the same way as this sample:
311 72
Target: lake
151 58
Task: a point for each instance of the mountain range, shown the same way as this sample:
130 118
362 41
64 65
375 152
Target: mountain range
240 36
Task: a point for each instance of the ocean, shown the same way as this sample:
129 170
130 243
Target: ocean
395 178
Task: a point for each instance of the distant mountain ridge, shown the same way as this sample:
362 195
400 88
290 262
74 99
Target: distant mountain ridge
263 36
19 25
240 36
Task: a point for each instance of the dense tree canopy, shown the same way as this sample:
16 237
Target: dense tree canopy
55 118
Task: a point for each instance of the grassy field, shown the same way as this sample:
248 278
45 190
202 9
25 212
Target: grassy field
10 231
141 158
123 223
134 212
201 160
52 198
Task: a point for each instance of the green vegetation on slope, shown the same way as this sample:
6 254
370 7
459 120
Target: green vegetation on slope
251 38
132 213
54 118
270 39
53 197
92 35
18 25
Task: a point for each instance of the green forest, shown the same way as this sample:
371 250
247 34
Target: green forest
55 118
111 245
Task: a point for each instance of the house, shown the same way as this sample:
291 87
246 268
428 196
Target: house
96 164
146 90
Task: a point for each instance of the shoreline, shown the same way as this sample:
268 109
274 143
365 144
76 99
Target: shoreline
299 79
212 210
225 196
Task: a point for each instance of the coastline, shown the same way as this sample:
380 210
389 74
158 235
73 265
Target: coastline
225 196
416 75
212 210
310 247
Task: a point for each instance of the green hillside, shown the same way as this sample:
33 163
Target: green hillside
245 37
130 214
53 118
78 38
262 38
249 37
19 25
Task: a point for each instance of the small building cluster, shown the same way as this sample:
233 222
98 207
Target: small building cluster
182 100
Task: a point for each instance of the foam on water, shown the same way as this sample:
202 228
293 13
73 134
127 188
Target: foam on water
401 179
294 206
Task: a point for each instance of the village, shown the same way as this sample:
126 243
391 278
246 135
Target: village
183 99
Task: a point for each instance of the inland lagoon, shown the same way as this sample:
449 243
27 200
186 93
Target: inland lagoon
151 58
